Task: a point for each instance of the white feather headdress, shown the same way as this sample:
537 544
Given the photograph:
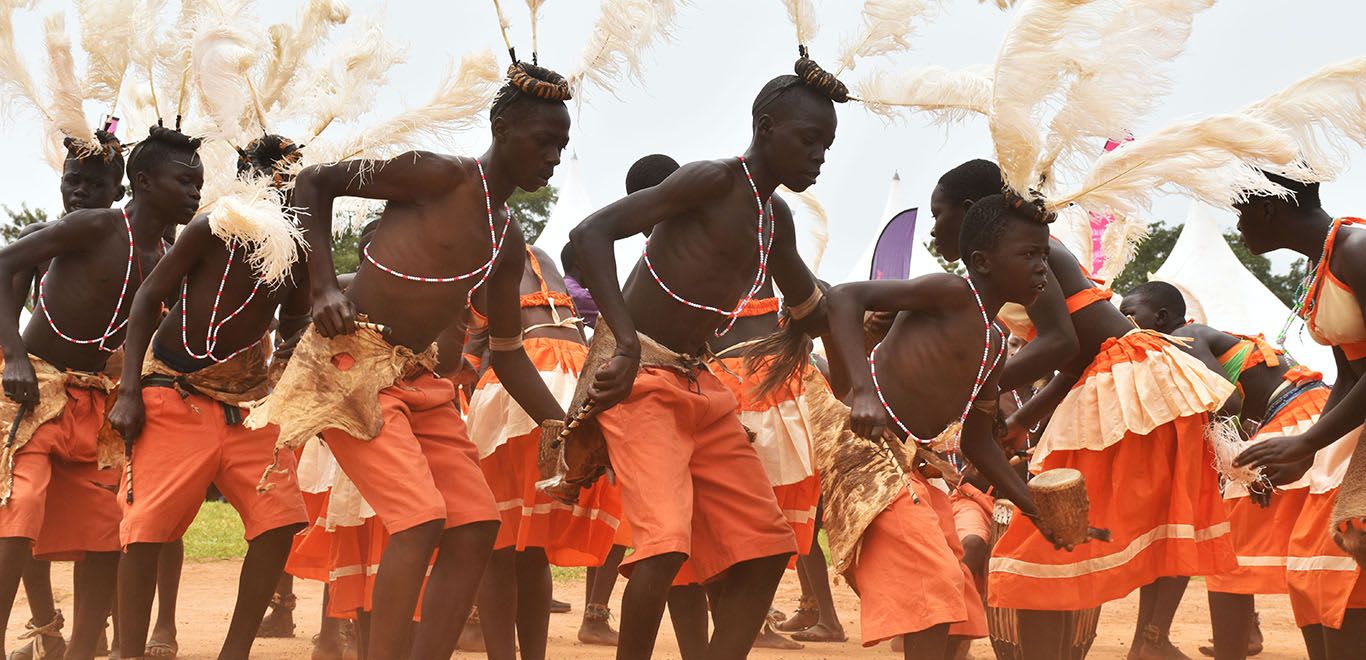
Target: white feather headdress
819 230
224 50
802 13
887 28
625 29
291 44
1323 113
948 96
108 28
16 84
66 113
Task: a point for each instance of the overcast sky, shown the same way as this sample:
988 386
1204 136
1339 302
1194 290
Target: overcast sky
694 100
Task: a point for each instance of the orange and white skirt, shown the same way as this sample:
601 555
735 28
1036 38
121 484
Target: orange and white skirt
509 442
1134 425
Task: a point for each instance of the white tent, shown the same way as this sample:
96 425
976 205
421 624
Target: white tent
1223 294
922 262
572 207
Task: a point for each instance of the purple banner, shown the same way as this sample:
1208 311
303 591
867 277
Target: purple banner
892 255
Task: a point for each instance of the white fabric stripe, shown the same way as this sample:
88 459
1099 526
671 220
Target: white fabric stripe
1107 562
782 438
494 416
546 507
800 516
1321 563
353 570
1262 561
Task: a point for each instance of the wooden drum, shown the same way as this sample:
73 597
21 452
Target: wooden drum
1060 495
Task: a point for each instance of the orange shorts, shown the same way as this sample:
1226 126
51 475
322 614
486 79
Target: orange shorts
58 466
910 574
422 466
972 512
185 446
690 481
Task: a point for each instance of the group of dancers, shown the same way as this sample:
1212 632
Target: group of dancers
434 431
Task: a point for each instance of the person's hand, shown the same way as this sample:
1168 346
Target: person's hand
1287 473
1276 451
128 414
613 382
867 416
1048 534
1260 494
333 313
1011 434
21 383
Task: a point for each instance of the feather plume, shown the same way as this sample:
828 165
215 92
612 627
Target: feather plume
108 27
819 231
345 87
1119 244
1030 67
1000 4
625 29
65 110
534 6
1214 160
948 96
1322 112
291 44
16 84
503 24
253 214
802 13
887 28
176 48
145 51
456 106
1116 79
224 50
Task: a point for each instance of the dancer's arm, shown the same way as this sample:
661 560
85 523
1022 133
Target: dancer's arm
507 356
1055 343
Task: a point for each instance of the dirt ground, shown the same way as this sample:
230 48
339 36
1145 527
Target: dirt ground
207 596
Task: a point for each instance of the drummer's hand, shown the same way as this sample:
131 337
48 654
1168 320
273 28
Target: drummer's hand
613 382
1047 533
1276 451
1283 474
333 313
867 416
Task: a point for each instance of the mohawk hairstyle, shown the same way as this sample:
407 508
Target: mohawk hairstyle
160 143
809 75
972 181
269 155
106 147
1162 295
530 81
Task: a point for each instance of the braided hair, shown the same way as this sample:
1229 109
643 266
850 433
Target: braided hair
531 82
269 155
809 75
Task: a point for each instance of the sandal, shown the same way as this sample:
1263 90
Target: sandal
161 649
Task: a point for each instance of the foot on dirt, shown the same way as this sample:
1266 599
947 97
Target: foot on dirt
807 615
279 622
770 639
1155 646
821 632
472 637
1254 642
560 607
327 647
597 627
162 644
49 635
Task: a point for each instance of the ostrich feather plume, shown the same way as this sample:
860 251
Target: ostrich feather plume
1325 113
948 96
887 28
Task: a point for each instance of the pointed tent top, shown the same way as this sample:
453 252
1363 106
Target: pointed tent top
1228 296
896 176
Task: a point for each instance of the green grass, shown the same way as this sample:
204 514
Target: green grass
216 534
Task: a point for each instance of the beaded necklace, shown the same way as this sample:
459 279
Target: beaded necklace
483 271
1304 302
760 275
983 371
211 335
114 325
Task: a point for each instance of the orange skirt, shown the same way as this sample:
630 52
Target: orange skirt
345 558
1324 581
1261 541
1158 494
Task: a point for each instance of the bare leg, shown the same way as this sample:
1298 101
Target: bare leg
1314 643
169 565
1159 602
42 605
137 587
280 621
691 620
15 555
1349 641
266 555
1231 618
740 599
827 627
533 602
1042 634
362 634
643 602
932 642
498 605
596 629
329 642
96 579
452 588
397 586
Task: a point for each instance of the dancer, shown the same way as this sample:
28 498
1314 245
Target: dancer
407 452
1333 311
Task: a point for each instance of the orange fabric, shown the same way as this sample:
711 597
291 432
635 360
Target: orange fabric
346 558
1261 540
1159 497
759 307
1324 581
545 298
798 502
1343 325
1086 297
422 466
972 512
61 499
1300 374
690 481
185 446
910 575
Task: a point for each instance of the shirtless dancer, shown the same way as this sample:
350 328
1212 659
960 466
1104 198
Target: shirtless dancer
370 389
180 409
1333 307
1278 537
1112 459
98 258
670 426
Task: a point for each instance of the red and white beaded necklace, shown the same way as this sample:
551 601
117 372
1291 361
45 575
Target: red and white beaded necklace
211 335
114 324
983 371
760 276
483 271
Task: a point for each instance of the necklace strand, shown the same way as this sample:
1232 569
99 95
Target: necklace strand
114 325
